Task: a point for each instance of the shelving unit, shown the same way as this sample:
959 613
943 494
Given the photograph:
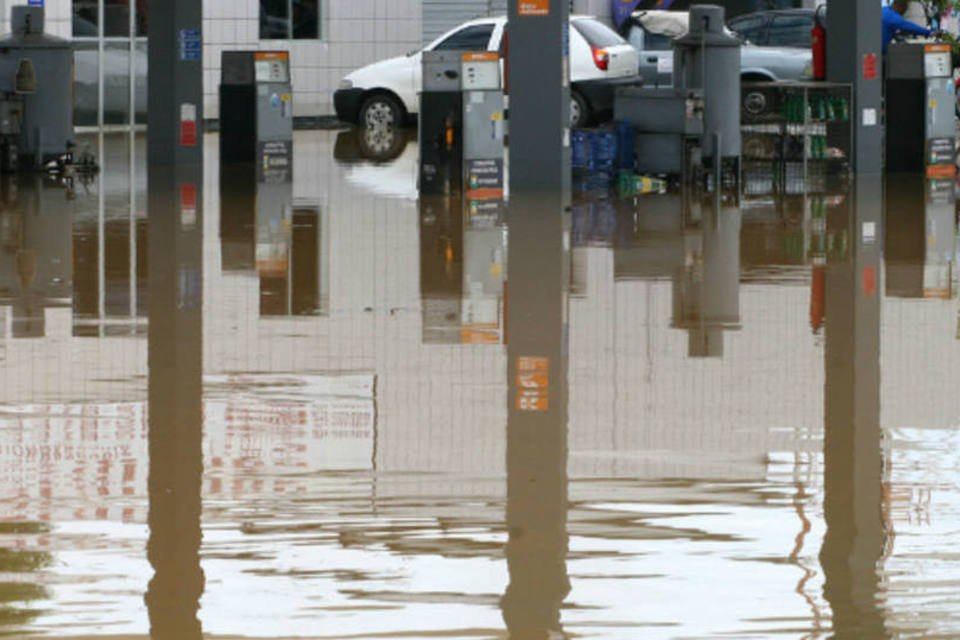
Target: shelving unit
796 135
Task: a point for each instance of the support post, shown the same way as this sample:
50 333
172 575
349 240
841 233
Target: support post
175 362
854 56
539 85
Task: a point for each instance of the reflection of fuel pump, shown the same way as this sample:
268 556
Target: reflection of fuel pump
35 252
256 109
484 274
920 246
706 296
920 101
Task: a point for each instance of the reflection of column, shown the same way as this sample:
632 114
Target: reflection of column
35 222
175 419
707 293
855 539
537 427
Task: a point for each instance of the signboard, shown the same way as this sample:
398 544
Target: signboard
484 179
534 7
35 3
940 151
191 45
533 384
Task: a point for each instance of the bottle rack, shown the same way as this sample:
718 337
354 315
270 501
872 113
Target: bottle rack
800 130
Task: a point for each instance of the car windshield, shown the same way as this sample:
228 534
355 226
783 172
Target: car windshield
597 34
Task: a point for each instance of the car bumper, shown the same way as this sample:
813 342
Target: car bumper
346 102
600 93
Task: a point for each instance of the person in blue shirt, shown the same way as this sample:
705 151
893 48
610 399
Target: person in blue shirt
894 23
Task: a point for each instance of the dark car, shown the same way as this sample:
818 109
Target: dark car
785 28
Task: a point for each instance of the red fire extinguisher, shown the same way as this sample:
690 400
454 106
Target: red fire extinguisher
818 36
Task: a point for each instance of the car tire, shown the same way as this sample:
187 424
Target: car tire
380 110
579 111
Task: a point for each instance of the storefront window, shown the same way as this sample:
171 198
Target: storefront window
289 19
111 62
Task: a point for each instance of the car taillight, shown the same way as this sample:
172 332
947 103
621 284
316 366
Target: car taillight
601 58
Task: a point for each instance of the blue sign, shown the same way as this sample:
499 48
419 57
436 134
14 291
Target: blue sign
191 45
35 3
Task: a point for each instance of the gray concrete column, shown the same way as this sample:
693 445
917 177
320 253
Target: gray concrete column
854 56
175 82
539 95
175 292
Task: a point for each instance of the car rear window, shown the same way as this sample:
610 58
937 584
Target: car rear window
597 34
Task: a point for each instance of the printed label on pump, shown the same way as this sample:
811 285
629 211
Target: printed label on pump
534 8
940 151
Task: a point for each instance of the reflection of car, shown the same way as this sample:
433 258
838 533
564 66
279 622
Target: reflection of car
386 92
652 32
788 28
377 144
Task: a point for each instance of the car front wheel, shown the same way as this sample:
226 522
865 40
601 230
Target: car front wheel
380 111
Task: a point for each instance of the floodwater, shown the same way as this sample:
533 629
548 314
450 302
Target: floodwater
326 409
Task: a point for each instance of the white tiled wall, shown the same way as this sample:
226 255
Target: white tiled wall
353 33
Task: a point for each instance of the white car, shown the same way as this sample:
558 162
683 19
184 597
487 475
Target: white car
387 92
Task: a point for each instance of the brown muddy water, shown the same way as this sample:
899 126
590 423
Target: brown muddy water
327 409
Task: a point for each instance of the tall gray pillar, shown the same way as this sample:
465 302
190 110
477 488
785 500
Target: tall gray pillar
175 362
854 55
175 84
539 87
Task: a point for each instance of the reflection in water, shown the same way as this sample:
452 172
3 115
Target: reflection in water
706 299
356 476
175 414
857 534
537 422
35 269
263 231
16 595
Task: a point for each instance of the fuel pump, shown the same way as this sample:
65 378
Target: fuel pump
920 98
256 110
461 196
